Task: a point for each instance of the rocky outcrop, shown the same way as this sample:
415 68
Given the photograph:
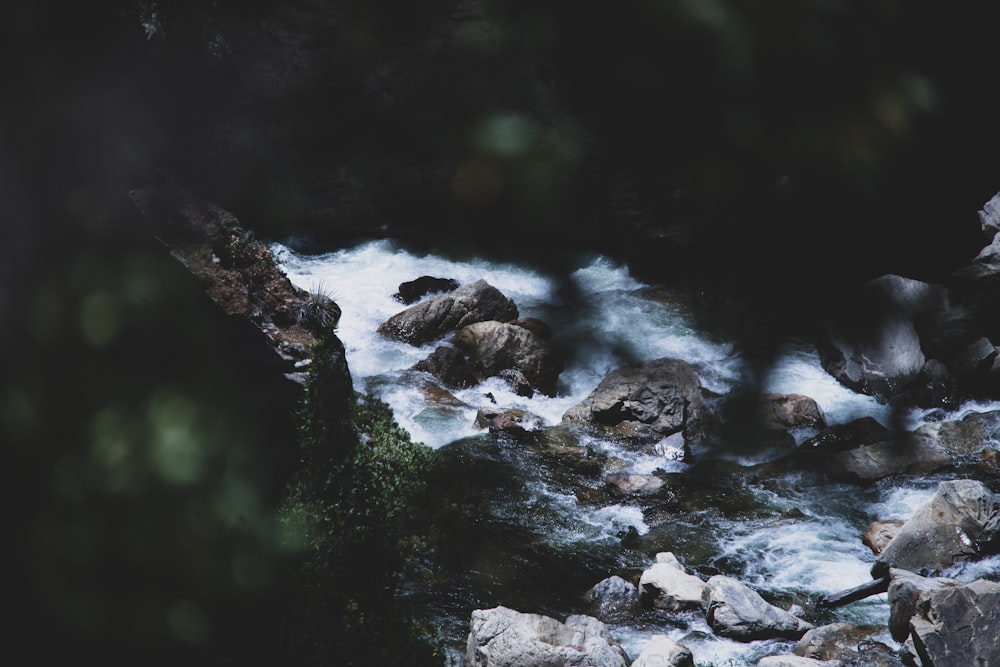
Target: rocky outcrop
649 401
960 522
433 319
736 611
502 637
236 270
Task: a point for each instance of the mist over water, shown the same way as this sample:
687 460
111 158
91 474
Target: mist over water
603 318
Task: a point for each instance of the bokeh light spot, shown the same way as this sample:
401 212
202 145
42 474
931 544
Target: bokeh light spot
100 318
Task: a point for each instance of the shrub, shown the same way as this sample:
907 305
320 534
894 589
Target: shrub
344 514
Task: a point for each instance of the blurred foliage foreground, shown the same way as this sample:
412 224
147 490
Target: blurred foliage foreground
173 499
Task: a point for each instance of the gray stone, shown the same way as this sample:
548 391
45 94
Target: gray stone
960 522
503 637
735 611
661 651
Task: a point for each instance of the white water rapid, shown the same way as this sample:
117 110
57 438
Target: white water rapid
604 318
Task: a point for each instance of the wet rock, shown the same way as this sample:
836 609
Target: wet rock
838 641
632 484
448 365
735 611
613 599
414 290
432 319
865 451
792 410
666 585
873 346
513 421
505 637
649 401
661 651
960 522
495 347
880 533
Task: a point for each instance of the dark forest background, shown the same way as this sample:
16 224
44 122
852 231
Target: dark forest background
783 149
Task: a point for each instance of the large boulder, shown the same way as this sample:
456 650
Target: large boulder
502 637
650 401
665 585
493 348
960 522
948 623
434 318
873 345
736 611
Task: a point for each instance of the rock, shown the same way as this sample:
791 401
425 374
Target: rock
735 611
665 585
448 365
792 410
873 345
960 522
432 319
632 484
517 381
649 401
955 437
989 217
502 637
880 533
948 623
835 641
661 651
865 451
508 420
913 455
613 599
535 326
412 291
494 347
840 437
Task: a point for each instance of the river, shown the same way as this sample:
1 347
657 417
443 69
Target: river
536 544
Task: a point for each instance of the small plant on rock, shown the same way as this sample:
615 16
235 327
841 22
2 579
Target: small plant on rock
318 311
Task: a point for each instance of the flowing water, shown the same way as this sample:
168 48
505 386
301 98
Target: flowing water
528 539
